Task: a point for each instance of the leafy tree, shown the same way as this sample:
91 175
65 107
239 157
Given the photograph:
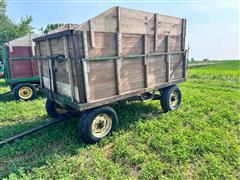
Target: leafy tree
10 30
51 27
2 8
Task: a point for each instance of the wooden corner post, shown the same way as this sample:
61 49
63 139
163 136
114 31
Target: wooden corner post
69 68
85 65
183 38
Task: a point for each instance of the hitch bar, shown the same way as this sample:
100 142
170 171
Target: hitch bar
5 93
55 121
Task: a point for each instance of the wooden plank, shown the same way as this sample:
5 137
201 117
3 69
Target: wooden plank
175 67
132 74
85 68
157 70
91 27
63 88
102 76
105 45
56 46
70 72
106 92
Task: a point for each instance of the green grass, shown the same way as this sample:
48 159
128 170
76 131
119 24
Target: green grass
201 140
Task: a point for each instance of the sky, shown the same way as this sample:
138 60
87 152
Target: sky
212 26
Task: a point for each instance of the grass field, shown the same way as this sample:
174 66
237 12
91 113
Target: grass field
201 140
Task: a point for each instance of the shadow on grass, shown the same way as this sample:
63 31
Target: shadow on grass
58 140
10 97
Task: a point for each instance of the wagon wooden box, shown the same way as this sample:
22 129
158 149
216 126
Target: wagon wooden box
118 55
21 68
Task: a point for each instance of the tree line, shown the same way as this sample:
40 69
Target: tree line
10 30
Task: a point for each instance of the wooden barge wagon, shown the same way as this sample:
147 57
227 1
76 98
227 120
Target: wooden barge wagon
21 67
121 54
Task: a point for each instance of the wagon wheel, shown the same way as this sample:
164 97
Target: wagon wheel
171 98
54 110
24 91
97 123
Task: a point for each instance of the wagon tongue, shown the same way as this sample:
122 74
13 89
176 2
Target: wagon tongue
52 122
5 93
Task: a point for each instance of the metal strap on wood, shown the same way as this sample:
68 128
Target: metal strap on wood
145 59
92 36
40 65
168 64
134 56
119 52
183 37
84 63
155 32
50 64
33 54
69 67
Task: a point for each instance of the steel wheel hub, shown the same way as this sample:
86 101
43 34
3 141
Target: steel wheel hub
101 125
173 100
25 92
59 109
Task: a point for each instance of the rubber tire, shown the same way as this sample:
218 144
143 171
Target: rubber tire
86 119
12 87
19 86
50 108
165 95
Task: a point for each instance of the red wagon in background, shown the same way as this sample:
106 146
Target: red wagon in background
21 67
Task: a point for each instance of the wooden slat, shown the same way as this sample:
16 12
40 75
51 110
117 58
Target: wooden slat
174 68
70 72
85 68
